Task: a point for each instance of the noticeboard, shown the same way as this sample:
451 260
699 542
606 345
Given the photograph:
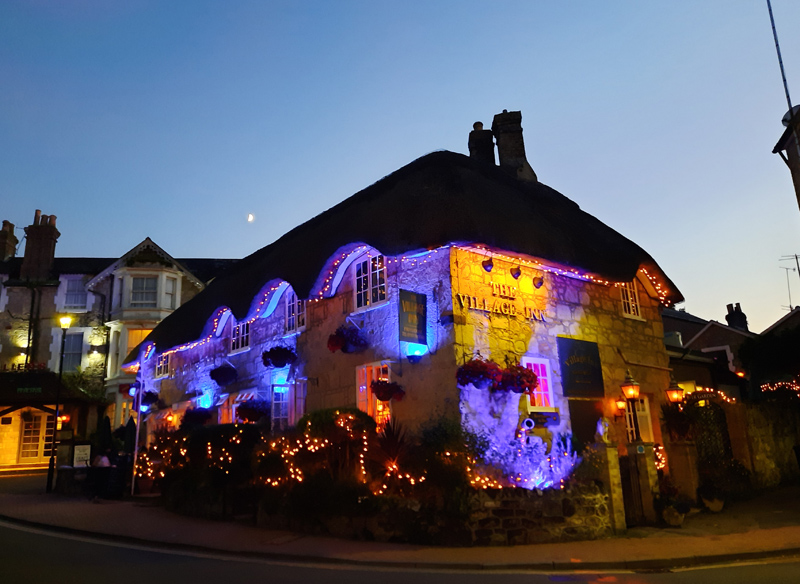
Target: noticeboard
413 317
581 373
81 455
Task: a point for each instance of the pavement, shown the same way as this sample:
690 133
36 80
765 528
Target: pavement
767 526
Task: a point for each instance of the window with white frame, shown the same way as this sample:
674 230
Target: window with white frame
162 365
370 281
641 410
144 291
366 400
171 292
295 313
630 300
75 297
73 352
240 337
280 407
300 390
542 394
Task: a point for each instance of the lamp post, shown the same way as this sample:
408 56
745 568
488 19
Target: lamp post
630 389
65 322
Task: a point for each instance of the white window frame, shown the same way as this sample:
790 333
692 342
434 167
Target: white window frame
163 365
295 312
281 417
76 283
542 395
642 407
370 284
78 334
629 294
381 412
171 296
240 337
133 291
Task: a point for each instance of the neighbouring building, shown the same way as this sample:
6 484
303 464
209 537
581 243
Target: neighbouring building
113 304
449 258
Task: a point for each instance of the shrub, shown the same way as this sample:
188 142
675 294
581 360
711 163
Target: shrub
279 357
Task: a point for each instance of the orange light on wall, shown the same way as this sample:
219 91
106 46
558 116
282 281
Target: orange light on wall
65 418
621 403
630 388
674 391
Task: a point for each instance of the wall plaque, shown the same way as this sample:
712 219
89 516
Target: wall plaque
581 374
413 319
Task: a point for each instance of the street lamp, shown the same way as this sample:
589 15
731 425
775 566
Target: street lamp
65 322
630 389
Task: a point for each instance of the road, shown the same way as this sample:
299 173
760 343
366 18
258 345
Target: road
31 556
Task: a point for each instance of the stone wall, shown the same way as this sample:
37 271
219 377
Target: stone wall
518 516
772 432
562 306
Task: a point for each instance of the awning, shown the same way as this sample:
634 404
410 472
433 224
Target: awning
244 396
223 397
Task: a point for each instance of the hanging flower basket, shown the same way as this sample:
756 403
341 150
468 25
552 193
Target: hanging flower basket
225 374
348 339
387 390
480 373
517 379
279 357
149 398
253 410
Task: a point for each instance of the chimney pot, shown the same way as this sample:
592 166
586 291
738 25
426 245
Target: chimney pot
507 128
8 241
481 144
40 248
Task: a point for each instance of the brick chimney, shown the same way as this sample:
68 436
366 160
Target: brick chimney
8 241
40 248
736 318
507 128
481 143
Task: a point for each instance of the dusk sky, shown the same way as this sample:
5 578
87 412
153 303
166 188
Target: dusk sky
174 120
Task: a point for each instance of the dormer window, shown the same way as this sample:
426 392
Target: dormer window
240 337
144 291
630 300
162 365
295 313
370 281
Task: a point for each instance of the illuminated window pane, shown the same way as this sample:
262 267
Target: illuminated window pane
370 284
630 300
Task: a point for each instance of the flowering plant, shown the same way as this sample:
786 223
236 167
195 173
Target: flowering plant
517 379
279 357
479 373
225 374
253 410
149 398
387 390
347 338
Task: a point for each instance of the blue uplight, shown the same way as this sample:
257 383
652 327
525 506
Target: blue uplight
204 401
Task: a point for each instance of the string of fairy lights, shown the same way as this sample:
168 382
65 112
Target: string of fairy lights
413 260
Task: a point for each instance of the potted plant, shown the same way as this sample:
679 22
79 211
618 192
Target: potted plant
480 373
279 357
253 410
387 390
517 379
348 339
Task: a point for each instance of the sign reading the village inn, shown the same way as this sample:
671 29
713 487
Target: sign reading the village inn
581 374
413 317
496 291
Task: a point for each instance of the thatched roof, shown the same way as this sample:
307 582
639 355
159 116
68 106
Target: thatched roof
438 199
